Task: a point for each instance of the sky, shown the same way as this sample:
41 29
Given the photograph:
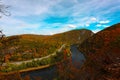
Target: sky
47 17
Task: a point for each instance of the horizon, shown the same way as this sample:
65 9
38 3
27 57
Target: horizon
46 34
48 17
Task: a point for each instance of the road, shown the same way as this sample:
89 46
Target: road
20 62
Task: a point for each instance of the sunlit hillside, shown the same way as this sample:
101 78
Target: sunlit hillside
28 46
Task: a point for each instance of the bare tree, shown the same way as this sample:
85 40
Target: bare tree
4 9
1 34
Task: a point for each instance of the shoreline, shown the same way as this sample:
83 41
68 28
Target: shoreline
28 69
31 69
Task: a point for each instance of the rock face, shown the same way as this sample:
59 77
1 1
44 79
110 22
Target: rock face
102 52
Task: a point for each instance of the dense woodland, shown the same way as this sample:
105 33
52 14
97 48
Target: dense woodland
25 47
102 52
102 59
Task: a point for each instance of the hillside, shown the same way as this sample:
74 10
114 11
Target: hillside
28 46
102 52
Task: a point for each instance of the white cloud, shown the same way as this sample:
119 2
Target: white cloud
71 26
16 23
12 26
31 7
98 25
105 26
104 22
83 21
102 25
93 19
87 24
83 13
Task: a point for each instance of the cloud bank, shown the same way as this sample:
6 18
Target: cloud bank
55 16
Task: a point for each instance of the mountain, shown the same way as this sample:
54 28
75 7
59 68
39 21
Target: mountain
27 46
102 52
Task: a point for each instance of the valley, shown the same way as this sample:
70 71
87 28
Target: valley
73 55
28 51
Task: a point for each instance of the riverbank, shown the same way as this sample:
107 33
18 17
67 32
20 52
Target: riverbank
35 68
28 69
31 69
48 72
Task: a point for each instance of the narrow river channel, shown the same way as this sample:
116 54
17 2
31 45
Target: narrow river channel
50 73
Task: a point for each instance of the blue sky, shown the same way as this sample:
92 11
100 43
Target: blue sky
49 17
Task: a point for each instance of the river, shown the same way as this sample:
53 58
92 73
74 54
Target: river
50 73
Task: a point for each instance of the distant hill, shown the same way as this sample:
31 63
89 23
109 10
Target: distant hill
27 46
102 52
72 37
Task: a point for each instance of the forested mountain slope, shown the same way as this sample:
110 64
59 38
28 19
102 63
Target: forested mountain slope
27 46
102 52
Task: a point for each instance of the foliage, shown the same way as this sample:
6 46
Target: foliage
25 47
102 53
35 63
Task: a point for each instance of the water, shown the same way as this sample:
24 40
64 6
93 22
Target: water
44 74
50 73
77 56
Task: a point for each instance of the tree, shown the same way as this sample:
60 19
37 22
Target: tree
4 9
1 55
1 34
